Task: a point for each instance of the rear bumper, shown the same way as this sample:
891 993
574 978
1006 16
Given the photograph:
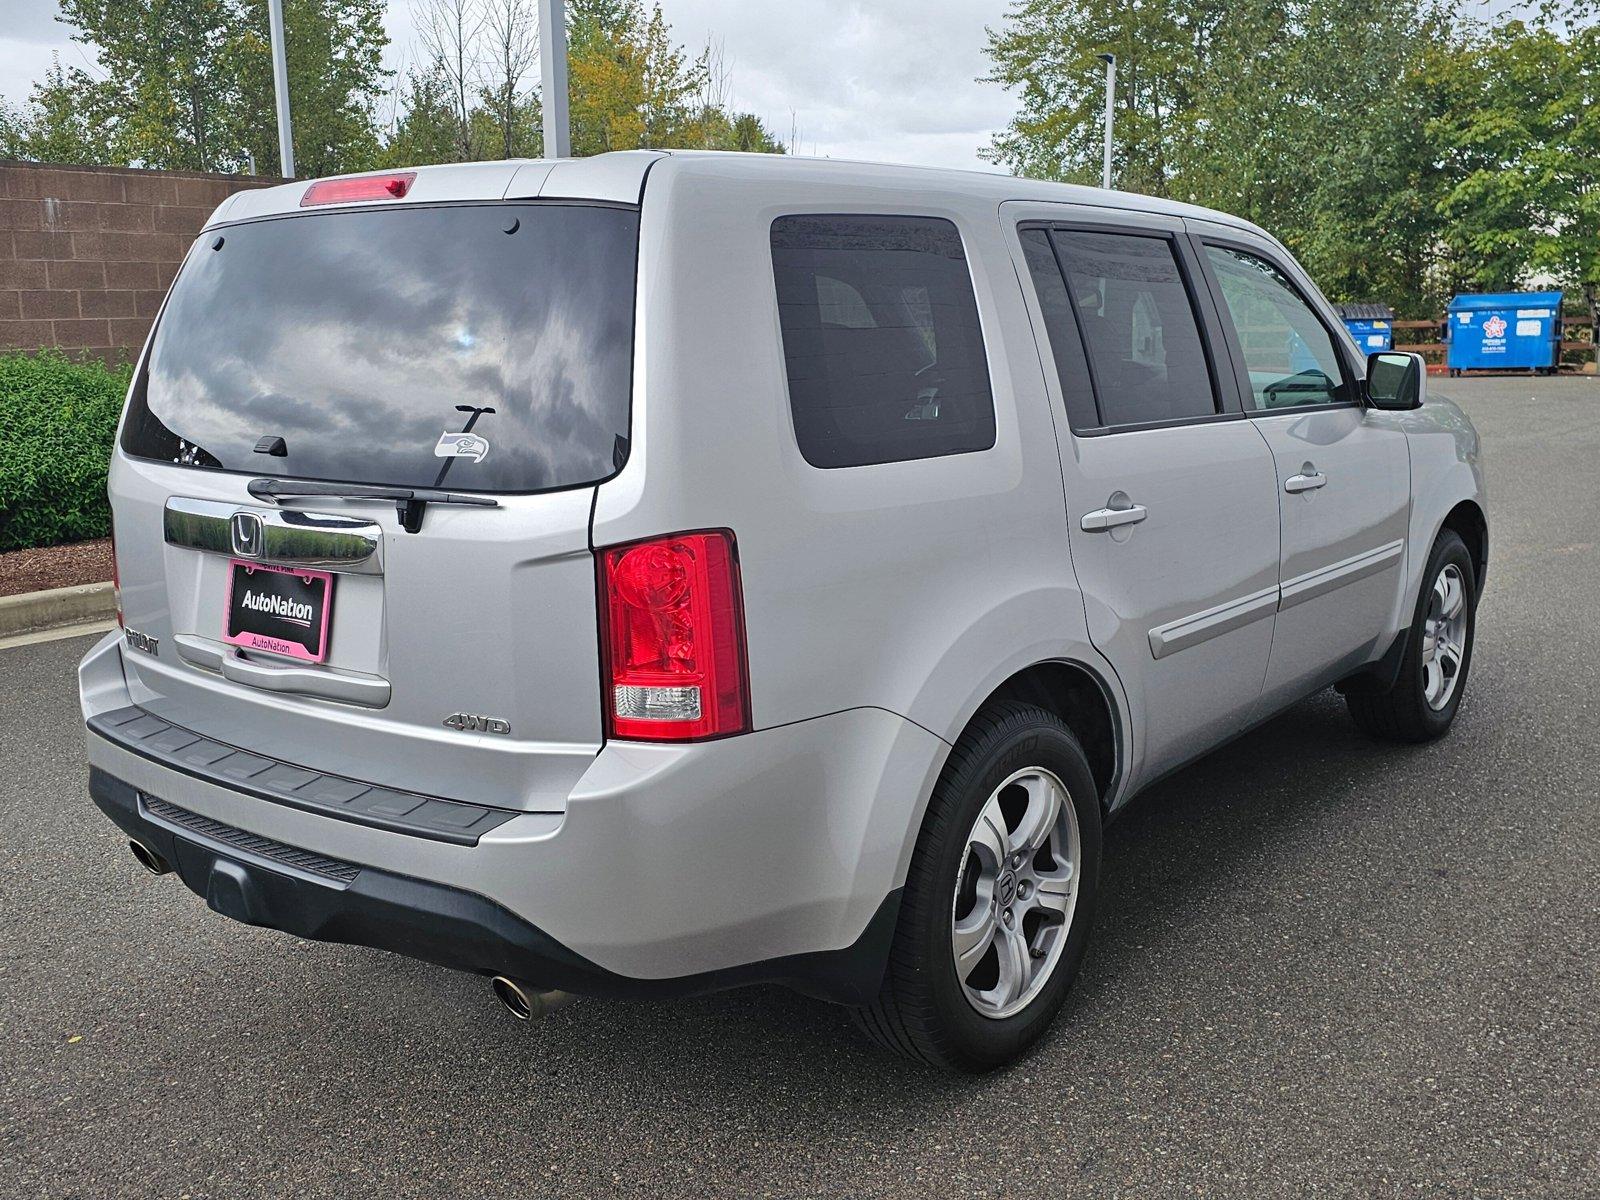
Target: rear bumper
774 856
450 926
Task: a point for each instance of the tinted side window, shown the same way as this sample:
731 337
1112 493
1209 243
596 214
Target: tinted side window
1139 327
881 339
1288 352
1066 346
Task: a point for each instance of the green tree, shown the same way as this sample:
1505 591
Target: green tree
718 129
631 85
168 96
1354 185
450 32
188 84
509 65
1048 53
1400 151
334 58
1576 259
63 121
1518 129
425 128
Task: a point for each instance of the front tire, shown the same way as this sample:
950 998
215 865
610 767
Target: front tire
999 897
1426 695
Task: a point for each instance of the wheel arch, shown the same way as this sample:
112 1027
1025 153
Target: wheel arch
1085 702
1468 521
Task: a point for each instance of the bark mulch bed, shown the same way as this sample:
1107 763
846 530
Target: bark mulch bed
54 567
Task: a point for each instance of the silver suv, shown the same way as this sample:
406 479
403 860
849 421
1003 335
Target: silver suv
658 572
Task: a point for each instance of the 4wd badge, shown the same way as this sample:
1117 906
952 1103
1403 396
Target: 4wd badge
472 723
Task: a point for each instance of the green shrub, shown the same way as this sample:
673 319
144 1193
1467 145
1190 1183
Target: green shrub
57 421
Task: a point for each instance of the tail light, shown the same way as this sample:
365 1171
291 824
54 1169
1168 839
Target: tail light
363 187
116 577
672 620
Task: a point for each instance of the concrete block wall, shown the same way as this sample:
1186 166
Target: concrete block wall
87 253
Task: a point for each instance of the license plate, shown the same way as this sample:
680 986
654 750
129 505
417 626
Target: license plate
280 610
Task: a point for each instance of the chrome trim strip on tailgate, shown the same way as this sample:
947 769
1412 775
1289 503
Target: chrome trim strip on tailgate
289 538
1326 579
178 749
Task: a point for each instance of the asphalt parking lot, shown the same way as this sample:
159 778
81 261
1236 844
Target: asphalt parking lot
1323 968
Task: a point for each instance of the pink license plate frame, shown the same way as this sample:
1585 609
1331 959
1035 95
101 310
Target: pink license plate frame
265 643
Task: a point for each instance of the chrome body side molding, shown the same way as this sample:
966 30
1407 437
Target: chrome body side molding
1336 575
1213 622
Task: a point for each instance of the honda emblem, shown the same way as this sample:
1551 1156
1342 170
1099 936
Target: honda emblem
246 530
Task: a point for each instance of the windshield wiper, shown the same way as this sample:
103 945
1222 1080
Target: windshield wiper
409 502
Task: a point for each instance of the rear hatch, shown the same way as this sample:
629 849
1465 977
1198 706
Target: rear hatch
476 355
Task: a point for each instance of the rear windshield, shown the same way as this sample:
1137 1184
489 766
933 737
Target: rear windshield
486 347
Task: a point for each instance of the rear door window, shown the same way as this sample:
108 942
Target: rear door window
881 339
368 341
1130 299
1066 345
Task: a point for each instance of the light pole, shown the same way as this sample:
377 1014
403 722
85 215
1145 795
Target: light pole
553 78
280 89
1110 61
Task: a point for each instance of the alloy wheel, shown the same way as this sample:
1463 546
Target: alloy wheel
1444 637
1015 895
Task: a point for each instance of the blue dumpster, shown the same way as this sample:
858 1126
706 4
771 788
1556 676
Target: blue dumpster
1372 325
1504 331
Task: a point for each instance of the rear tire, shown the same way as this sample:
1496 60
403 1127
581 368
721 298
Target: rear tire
1028 888
1427 693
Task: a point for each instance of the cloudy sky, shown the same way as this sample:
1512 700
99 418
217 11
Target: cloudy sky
892 80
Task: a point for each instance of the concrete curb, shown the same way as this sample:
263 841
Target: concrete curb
33 611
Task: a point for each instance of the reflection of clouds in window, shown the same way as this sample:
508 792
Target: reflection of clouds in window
355 335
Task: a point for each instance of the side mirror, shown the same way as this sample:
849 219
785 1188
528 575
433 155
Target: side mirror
1395 380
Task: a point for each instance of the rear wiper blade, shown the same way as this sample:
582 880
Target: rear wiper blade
410 503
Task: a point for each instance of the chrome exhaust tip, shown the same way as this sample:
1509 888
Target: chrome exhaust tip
148 858
524 1001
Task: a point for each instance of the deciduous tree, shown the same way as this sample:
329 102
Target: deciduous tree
64 121
510 64
334 53
1518 129
169 92
188 83
1397 148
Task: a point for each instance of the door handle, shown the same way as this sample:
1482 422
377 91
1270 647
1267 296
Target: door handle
1307 481
1112 518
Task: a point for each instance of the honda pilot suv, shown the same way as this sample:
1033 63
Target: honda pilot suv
659 572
